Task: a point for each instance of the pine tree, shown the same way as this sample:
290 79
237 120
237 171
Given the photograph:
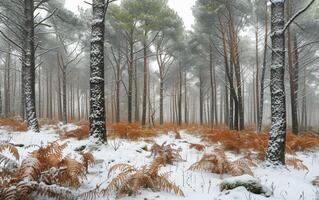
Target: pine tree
29 66
97 99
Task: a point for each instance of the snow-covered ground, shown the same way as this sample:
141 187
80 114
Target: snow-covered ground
285 183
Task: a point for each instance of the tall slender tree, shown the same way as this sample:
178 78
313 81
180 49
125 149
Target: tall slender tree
97 99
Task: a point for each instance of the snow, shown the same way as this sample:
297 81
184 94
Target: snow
284 182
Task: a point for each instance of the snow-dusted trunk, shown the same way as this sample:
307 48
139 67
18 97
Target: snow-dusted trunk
277 136
29 66
97 101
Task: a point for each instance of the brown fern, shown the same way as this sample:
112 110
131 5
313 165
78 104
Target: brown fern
87 160
218 163
12 149
130 180
296 164
168 154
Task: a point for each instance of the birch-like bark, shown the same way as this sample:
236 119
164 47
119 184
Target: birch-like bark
97 101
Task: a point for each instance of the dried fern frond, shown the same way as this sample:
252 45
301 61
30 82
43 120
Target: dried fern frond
55 191
215 163
239 167
130 180
50 155
91 194
116 182
14 124
9 193
29 169
168 154
219 164
87 160
166 185
296 164
12 149
8 163
71 173
121 167
80 133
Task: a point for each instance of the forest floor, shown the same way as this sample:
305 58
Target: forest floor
283 182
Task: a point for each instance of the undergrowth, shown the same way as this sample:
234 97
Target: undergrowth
14 124
248 140
130 180
218 163
45 172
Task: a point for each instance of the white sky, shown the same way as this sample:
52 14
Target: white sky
182 7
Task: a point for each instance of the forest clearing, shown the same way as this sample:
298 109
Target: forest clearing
159 99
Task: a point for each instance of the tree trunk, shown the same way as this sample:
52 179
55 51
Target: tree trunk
137 105
29 67
145 80
130 78
185 98
263 73
0 100
256 98
180 94
161 98
293 71
201 109
211 82
118 82
7 84
277 136
97 97
64 102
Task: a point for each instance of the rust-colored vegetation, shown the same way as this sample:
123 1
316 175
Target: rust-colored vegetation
45 172
218 163
130 180
249 141
14 124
